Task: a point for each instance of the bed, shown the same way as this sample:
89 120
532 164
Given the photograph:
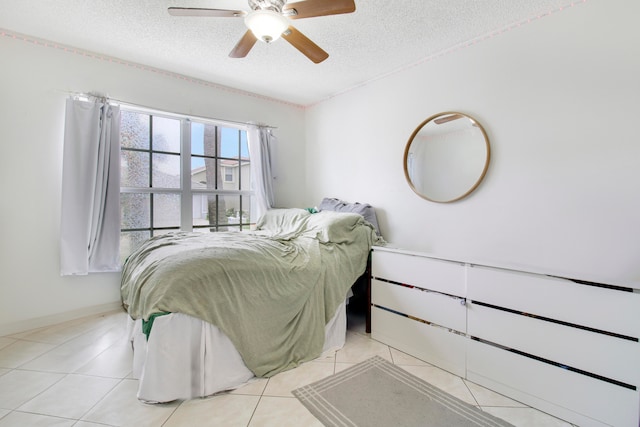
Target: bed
212 311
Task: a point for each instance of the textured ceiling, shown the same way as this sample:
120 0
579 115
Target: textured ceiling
380 37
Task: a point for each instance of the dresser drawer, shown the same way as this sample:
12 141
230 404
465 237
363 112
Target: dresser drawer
592 352
430 343
574 397
429 273
600 308
443 310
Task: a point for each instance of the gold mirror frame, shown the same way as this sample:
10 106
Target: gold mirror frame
441 119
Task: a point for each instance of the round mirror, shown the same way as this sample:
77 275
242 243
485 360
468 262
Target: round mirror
446 157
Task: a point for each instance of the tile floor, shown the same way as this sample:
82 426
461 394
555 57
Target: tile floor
78 373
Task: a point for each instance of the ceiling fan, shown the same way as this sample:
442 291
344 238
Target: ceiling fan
269 19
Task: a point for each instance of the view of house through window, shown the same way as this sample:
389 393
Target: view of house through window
156 196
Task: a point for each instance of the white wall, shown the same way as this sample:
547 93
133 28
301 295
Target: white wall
34 83
559 99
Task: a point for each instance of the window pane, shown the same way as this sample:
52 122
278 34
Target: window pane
166 171
135 210
166 134
245 169
246 212
229 174
212 210
244 146
208 143
200 209
203 173
130 241
216 210
198 173
134 130
197 138
166 210
245 178
229 206
232 214
134 169
229 146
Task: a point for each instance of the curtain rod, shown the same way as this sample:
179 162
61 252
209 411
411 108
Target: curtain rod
152 109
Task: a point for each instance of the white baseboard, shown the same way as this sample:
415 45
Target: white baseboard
40 322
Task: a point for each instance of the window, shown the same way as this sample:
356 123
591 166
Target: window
228 174
156 196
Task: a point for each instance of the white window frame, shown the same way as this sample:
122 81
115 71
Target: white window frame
186 191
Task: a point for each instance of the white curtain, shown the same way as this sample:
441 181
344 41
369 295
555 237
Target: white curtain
260 140
90 226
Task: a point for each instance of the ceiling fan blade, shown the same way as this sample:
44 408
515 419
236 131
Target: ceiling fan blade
195 11
305 45
449 118
244 45
310 8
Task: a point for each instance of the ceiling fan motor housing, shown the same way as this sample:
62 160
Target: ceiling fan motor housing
275 5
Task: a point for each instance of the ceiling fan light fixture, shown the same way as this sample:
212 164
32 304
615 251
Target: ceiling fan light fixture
267 25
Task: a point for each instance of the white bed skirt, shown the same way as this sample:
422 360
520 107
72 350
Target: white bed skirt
206 362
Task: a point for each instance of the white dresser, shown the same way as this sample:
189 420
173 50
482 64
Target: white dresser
566 347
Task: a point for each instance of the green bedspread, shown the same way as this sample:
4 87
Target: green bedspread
271 291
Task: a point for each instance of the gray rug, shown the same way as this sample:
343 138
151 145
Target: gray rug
377 393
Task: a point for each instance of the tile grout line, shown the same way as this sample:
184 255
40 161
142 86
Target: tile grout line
101 399
106 330
253 413
172 413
